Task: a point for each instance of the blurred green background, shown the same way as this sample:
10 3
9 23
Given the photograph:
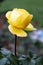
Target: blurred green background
33 6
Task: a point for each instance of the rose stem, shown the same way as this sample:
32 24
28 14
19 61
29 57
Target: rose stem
15 43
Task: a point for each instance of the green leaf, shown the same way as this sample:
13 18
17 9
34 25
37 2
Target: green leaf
32 62
39 61
1 56
30 54
5 51
13 60
3 61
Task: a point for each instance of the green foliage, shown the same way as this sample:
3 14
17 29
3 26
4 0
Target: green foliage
37 44
10 59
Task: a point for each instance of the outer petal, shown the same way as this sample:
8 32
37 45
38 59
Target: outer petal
19 18
21 11
30 27
8 14
16 31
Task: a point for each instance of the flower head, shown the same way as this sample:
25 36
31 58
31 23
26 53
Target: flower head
19 21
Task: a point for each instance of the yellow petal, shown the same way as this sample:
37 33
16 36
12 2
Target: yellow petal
23 19
20 18
16 31
23 11
19 21
30 27
8 14
28 19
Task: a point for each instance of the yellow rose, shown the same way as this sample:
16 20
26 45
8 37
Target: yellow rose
19 21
